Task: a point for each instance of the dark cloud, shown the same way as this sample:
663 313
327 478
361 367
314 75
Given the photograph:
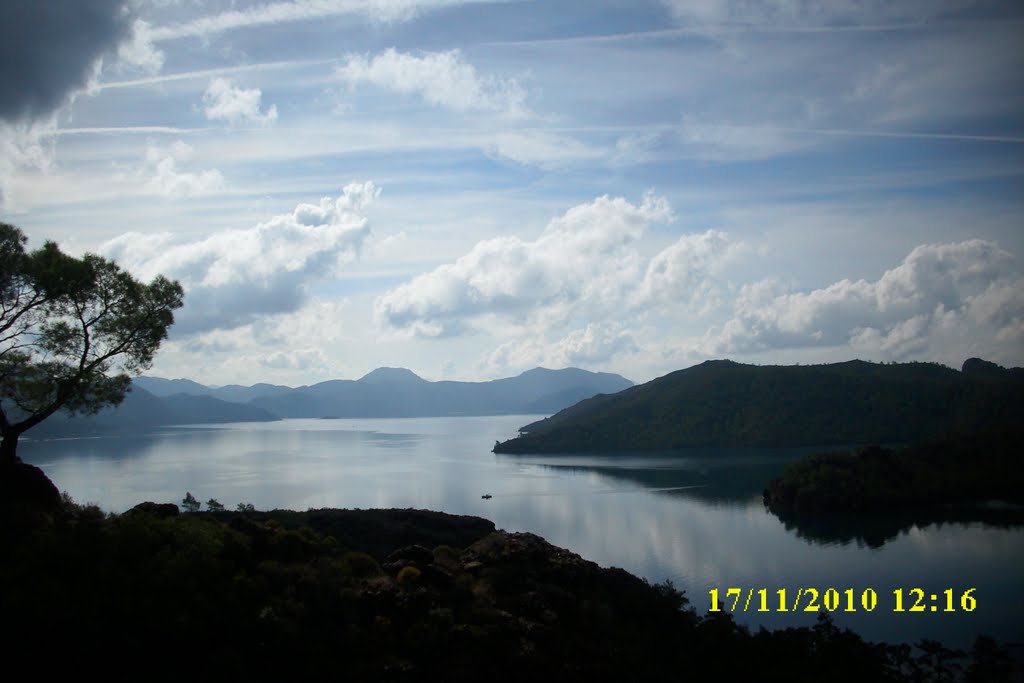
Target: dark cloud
48 49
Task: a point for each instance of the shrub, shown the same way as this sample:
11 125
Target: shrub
408 577
447 557
361 565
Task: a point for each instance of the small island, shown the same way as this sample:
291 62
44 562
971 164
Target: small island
956 470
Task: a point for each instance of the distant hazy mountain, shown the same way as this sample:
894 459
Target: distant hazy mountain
397 392
722 403
142 410
239 394
393 377
158 386
392 392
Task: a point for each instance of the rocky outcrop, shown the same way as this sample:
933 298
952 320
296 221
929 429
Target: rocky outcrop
28 499
155 509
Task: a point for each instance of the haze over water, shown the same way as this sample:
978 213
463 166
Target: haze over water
694 517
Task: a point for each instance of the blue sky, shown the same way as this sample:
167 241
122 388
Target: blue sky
470 189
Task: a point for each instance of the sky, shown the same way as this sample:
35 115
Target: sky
470 189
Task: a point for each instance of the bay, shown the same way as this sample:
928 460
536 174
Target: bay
694 517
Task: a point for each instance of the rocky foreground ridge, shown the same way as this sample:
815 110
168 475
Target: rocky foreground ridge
375 595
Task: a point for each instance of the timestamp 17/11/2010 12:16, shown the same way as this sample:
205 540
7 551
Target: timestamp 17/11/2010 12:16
832 600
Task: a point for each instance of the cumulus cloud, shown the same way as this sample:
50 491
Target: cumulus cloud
594 343
49 53
442 79
235 105
583 259
942 295
682 272
295 359
290 348
233 277
581 293
166 180
590 346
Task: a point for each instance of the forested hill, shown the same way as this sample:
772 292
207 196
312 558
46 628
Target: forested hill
723 403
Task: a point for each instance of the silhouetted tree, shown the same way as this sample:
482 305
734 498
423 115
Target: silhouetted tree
190 503
72 331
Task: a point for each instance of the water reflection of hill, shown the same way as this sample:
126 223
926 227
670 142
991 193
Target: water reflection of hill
874 493
714 475
875 531
739 476
736 484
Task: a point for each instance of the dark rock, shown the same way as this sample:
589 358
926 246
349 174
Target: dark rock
398 565
414 553
380 532
28 499
437 576
155 509
976 367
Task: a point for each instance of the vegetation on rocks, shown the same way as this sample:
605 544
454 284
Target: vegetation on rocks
962 469
384 595
723 403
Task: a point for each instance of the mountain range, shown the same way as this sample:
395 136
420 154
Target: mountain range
724 403
384 392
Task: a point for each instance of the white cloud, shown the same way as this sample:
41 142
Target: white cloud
541 148
138 50
235 105
726 142
943 298
583 259
442 79
303 10
682 272
595 343
813 12
592 346
235 276
290 348
24 145
296 359
166 180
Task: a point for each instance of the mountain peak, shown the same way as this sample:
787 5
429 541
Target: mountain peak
391 376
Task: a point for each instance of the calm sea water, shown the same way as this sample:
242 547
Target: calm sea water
694 517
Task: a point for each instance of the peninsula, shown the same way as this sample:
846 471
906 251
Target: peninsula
724 403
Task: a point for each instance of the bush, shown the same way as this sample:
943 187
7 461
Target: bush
408 577
361 565
447 557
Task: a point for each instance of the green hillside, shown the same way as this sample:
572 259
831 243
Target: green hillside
723 403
